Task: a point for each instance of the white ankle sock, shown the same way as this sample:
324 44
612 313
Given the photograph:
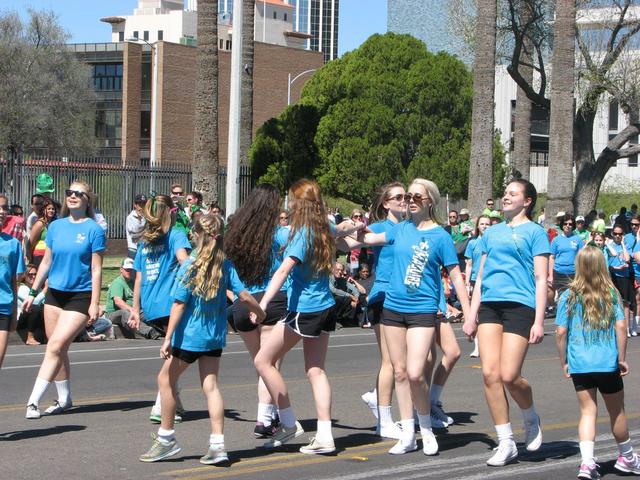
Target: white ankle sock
264 414
504 432
385 414
64 391
435 393
408 430
287 417
39 388
586 451
625 449
529 414
157 407
166 435
323 432
424 421
216 439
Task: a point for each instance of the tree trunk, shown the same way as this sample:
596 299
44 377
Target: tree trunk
205 148
246 109
481 162
521 157
560 178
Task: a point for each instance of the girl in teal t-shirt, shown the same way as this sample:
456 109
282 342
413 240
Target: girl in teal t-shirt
591 336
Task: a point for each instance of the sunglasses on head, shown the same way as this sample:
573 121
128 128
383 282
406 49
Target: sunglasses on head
76 193
416 197
398 198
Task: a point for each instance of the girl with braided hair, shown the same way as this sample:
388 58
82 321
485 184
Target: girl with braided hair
197 331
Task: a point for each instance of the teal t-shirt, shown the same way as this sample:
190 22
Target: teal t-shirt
11 265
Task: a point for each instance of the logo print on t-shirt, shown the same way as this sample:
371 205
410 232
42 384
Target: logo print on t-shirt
80 238
413 277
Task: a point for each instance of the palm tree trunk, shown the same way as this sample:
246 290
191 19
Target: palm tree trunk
560 178
205 148
246 109
482 118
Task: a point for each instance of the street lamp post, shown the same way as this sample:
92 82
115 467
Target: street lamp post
292 80
154 100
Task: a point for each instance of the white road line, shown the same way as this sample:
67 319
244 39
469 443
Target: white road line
157 357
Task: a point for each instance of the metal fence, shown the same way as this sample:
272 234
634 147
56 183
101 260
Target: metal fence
115 186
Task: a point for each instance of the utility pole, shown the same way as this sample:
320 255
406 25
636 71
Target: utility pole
235 99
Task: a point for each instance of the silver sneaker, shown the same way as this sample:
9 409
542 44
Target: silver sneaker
160 450
215 455
284 435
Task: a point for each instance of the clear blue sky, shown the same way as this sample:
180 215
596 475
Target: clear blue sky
358 18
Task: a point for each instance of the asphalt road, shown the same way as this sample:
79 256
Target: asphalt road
113 386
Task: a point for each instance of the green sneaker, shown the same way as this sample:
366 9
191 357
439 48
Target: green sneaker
216 454
160 450
156 417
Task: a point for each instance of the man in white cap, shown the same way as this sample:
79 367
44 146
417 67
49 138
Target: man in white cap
581 229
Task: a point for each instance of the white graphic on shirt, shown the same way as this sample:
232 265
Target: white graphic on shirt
152 262
413 276
80 238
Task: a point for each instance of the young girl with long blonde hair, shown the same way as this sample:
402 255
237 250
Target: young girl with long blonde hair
591 336
197 331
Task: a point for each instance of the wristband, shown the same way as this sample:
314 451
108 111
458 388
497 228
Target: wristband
32 292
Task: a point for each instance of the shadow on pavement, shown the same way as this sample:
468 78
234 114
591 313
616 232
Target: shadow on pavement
462 418
449 441
110 407
42 432
549 451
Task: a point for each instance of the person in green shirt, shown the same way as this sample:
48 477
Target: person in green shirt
120 300
581 230
489 206
599 225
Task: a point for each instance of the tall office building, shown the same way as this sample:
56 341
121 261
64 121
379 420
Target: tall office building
319 19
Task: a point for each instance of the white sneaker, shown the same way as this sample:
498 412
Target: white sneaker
283 435
33 412
58 407
532 435
506 452
634 333
474 354
429 442
438 412
389 430
404 446
371 399
316 447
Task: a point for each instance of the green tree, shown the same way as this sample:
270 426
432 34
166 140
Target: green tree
46 97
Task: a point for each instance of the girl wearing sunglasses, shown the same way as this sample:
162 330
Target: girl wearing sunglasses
72 264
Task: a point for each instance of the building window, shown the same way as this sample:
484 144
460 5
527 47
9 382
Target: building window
285 17
145 124
136 34
160 35
228 44
275 15
121 36
108 127
221 47
145 35
107 77
613 115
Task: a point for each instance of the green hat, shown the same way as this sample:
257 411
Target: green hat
495 214
44 183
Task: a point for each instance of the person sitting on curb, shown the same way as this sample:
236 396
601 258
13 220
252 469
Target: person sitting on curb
348 294
120 301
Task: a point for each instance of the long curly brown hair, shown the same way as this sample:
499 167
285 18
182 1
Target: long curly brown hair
204 275
308 211
249 236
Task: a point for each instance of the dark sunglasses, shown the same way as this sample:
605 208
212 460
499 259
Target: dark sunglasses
176 193
284 218
570 224
4 208
635 224
398 198
416 197
31 274
356 216
617 234
76 193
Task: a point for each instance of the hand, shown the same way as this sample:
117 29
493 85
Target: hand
469 328
624 368
536 334
26 305
165 349
565 370
261 315
93 312
134 320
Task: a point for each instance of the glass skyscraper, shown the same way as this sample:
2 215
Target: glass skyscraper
318 18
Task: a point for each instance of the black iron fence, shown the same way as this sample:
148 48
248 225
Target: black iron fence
115 185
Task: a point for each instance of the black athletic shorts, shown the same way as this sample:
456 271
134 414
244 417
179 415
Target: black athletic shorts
311 324
513 316
561 281
276 311
5 322
605 382
392 318
69 301
190 357
374 312
625 287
